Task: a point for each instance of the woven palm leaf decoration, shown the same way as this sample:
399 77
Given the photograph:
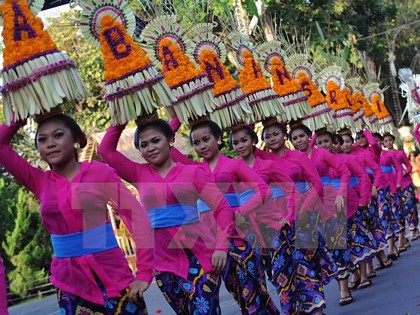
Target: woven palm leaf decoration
37 76
166 43
375 95
292 97
133 86
352 91
410 89
331 80
208 50
303 70
264 102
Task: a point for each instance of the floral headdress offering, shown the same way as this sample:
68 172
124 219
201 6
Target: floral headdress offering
369 117
292 97
331 80
410 89
352 92
36 75
209 52
166 43
265 103
303 71
133 86
376 97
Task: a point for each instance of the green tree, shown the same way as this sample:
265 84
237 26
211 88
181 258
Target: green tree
27 245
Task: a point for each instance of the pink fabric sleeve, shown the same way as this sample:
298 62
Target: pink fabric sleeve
365 185
178 156
137 222
312 177
313 141
406 162
377 149
261 189
340 168
108 151
283 181
417 132
264 155
397 167
175 124
24 172
223 213
3 291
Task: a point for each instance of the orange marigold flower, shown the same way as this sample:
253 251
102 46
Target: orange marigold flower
354 105
23 33
121 55
314 95
360 99
379 107
251 77
335 98
176 66
283 82
217 72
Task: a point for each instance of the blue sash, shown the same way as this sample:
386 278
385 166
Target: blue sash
245 196
387 169
98 239
173 215
302 186
369 170
277 192
354 181
231 198
327 181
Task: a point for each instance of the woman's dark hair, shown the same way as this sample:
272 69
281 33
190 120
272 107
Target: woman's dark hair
249 131
326 133
278 125
159 125
336 138
389 135
304 128
379 136
349 135
214 128
76 132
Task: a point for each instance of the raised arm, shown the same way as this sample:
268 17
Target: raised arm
137 222
24 172
377 149
408 168
108 150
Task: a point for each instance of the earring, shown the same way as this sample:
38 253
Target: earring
76 146
219 142
171 144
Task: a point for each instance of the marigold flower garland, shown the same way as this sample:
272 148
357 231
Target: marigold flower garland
37 76
356 109
294 100
233 106
264 102
134 87
189 84
320 116
337 101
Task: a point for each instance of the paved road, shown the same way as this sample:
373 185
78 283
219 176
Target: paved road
395 291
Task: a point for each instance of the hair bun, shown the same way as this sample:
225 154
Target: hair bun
238 126
269 121
199 120
321 131
53 112
295 123
147 119
344 132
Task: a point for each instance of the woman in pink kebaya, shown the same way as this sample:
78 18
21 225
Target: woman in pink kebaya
190 252
88 269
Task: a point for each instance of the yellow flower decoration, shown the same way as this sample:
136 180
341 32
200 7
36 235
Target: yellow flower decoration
176 66
362 101
121 55
217 72
251 77
335 98
354 105
23 33
283 83
315 97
